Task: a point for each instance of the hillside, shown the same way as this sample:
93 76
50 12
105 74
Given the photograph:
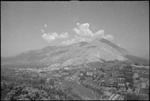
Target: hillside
138 60
74 54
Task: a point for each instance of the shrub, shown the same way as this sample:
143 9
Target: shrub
132 97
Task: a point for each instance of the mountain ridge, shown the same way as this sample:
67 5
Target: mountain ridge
74 54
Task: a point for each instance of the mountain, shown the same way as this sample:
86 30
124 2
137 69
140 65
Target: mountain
120 49
138 60
146 56
72 55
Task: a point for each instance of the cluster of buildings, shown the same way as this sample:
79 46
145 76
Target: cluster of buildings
125 80
119 82
141 83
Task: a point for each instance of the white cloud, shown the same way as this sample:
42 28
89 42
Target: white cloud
108 37
71 41
76 39
99 33
82 33
83 30
50 37
77 31
68 42
45 25
64 35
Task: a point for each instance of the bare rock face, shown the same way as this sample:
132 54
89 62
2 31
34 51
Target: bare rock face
72 55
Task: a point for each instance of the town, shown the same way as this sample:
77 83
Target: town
112 83
100 82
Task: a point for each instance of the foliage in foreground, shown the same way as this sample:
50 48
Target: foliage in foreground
15 91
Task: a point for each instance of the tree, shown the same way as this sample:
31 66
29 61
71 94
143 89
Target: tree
131 97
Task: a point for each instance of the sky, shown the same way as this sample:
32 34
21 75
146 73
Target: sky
34 25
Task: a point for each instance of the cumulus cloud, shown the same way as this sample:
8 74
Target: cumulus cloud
99 33
45 25
83 30
50 37
82 33
73 40
76 39
64 35
108 37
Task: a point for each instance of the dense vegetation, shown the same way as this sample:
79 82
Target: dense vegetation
16 91
132 97
27 85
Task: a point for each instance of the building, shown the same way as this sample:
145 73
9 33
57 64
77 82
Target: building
144 97
128 71
120 79
130 91
136 76
121 83
127 68
144 88
137 90
89 73
122 90
112 83
102 82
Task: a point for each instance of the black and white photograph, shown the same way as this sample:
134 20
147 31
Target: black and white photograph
74 50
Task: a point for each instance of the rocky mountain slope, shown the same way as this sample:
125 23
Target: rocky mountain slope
72 55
